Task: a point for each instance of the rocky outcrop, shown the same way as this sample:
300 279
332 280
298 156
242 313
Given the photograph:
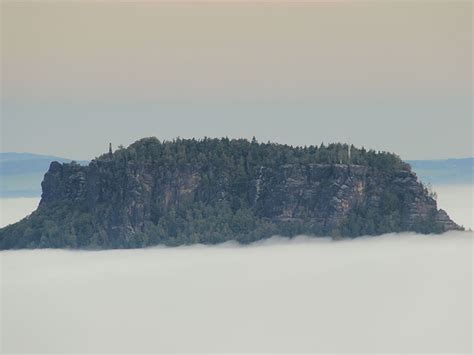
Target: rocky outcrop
114 202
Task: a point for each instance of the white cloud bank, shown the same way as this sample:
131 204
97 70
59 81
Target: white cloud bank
394 293
14 209
458 201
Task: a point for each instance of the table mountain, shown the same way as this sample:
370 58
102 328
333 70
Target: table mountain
213 190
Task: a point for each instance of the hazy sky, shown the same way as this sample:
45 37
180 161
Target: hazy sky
389 75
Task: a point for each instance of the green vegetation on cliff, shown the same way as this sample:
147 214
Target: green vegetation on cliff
213 190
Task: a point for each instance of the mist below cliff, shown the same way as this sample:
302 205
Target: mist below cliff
393 293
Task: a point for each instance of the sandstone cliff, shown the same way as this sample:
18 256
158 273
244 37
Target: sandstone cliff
185 192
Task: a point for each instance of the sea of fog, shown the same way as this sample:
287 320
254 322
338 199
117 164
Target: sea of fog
402 293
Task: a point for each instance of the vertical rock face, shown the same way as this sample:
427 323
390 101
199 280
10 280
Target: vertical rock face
323 192
328 193
118 202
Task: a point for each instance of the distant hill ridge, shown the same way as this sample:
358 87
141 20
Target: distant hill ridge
21 173
444 171
213 190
